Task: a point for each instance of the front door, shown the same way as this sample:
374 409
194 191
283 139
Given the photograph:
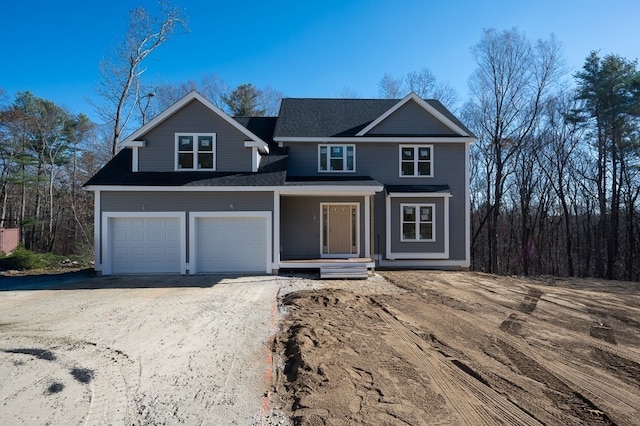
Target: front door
340 229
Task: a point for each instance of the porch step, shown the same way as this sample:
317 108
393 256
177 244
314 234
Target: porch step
344 271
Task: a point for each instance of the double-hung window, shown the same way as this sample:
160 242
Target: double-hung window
195 151
336 158
417 222
416 160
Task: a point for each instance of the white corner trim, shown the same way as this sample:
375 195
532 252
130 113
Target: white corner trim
193 95
97 259
421 102
107 267
134 159
266 215
367 226
276 230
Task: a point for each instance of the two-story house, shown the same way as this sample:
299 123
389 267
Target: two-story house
329 183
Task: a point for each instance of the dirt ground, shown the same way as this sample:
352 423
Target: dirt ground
401 348
447 348
136 351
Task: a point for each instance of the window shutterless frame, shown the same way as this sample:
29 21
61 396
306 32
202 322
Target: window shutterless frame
195 151
334 158
415 160
417 222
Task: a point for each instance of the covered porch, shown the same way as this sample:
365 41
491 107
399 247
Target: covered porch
325 226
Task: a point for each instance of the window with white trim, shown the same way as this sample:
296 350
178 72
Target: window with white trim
195 151
417 222
416 160
336 158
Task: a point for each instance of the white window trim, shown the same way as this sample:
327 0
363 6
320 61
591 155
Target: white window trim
415 161
391 255
341 255
328 146
195 151
417 222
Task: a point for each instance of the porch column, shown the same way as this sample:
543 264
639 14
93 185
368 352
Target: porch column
276 230
367 226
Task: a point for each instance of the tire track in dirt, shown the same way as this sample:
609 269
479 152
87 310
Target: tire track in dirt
597 396
463 390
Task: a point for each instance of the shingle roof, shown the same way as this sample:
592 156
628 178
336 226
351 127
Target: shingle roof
272 172
331 180
262 127
416 188
308 117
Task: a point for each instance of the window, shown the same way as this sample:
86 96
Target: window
336 158
195 151
417 222
416 160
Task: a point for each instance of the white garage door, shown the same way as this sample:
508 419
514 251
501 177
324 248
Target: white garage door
145 245
231 244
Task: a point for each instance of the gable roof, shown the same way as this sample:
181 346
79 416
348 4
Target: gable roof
130 141
325 118
430 106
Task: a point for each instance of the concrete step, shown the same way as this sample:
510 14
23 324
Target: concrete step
344 271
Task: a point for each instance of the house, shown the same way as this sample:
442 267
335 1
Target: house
359 183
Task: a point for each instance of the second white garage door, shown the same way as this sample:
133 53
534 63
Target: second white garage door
231 244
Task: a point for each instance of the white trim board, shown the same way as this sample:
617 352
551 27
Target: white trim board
291 190
132 139
422 103
389 139
389 254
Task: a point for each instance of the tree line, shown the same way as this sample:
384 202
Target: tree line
555 174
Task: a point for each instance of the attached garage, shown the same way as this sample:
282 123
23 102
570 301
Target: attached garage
143 243
230 242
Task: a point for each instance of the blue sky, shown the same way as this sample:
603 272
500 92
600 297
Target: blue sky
302 48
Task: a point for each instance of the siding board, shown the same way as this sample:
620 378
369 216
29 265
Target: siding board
159 153
411 119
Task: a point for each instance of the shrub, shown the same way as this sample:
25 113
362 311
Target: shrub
22 259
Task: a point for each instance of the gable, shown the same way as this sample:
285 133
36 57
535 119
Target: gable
411 119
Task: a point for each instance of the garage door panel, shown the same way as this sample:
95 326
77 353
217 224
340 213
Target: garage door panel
145 245
231 244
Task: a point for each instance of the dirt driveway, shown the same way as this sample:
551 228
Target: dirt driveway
152 350
426 348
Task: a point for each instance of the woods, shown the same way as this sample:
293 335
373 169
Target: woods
555 174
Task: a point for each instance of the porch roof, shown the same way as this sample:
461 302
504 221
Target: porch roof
403 189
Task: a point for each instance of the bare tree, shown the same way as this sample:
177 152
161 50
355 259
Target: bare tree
509 87
348 92
390 87
121 72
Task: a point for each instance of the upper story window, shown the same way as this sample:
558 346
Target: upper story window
416 160
195 151
336 158
417 222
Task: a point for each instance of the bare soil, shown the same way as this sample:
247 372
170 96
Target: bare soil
136 351
429 348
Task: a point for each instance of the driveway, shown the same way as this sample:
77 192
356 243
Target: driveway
148 350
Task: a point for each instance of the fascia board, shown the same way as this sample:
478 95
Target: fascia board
391 139
424 104
193 95
324 189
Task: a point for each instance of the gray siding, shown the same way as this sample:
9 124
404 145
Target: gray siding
300 225
411 119
159 153
381 162
154 201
